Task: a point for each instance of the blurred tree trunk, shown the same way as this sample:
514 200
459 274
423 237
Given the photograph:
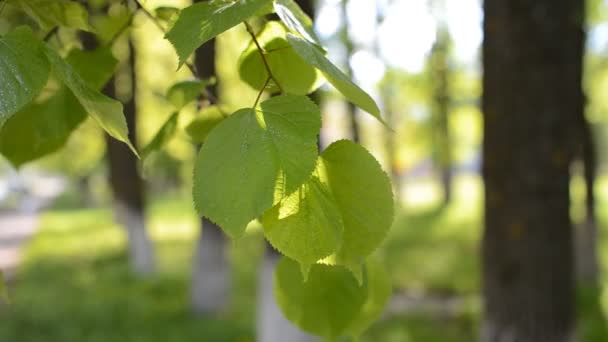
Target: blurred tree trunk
587 259
532 57
272 326
211 267
441 107
351 109
125 181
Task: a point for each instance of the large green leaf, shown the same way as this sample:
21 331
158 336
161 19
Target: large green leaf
326 304
306 226
298 21
162 137
364 196
24 71
295 75
106 111
42 128
51 13
254 158
346 208
199 128
313 55
202 21
379 291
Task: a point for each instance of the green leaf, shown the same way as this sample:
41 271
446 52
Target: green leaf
337 78
167 13
379 291
162 137
295 75
203 21
199 128
51 13
3 294
24 70
254 158
305 226
325 304
298 21
364 196
42 128
106 111
182 93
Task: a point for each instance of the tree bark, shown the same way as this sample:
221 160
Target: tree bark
272 326
532 55
126 183
441 106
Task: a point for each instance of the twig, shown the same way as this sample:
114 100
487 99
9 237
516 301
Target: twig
51 33
119 33
2 6
257 99
261 51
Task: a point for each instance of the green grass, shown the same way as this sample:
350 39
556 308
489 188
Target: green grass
75 285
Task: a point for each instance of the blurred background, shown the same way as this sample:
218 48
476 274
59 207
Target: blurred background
64 239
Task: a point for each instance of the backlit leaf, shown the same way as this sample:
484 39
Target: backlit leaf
184 92
379 291
106 111
326 304
364 196
24 70
306 226
254 158
202 21
42 128
51 13
298 21
162 137
314 56
295 75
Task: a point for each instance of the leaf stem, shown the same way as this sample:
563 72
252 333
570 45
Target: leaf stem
2 5
261 51
50 34
257 99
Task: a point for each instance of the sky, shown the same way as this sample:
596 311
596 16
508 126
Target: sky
406 34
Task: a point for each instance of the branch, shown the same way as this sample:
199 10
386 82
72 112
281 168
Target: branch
257 99
50 34
261 51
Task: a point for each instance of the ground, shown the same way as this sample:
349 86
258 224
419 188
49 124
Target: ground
74 283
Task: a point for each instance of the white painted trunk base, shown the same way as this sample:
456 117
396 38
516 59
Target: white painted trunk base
141 250
211 273
271 325
587 268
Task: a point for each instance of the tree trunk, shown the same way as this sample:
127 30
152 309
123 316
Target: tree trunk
272 326
532 57
127 184
211 267
441 103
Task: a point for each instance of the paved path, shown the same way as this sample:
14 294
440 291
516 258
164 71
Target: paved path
15 230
